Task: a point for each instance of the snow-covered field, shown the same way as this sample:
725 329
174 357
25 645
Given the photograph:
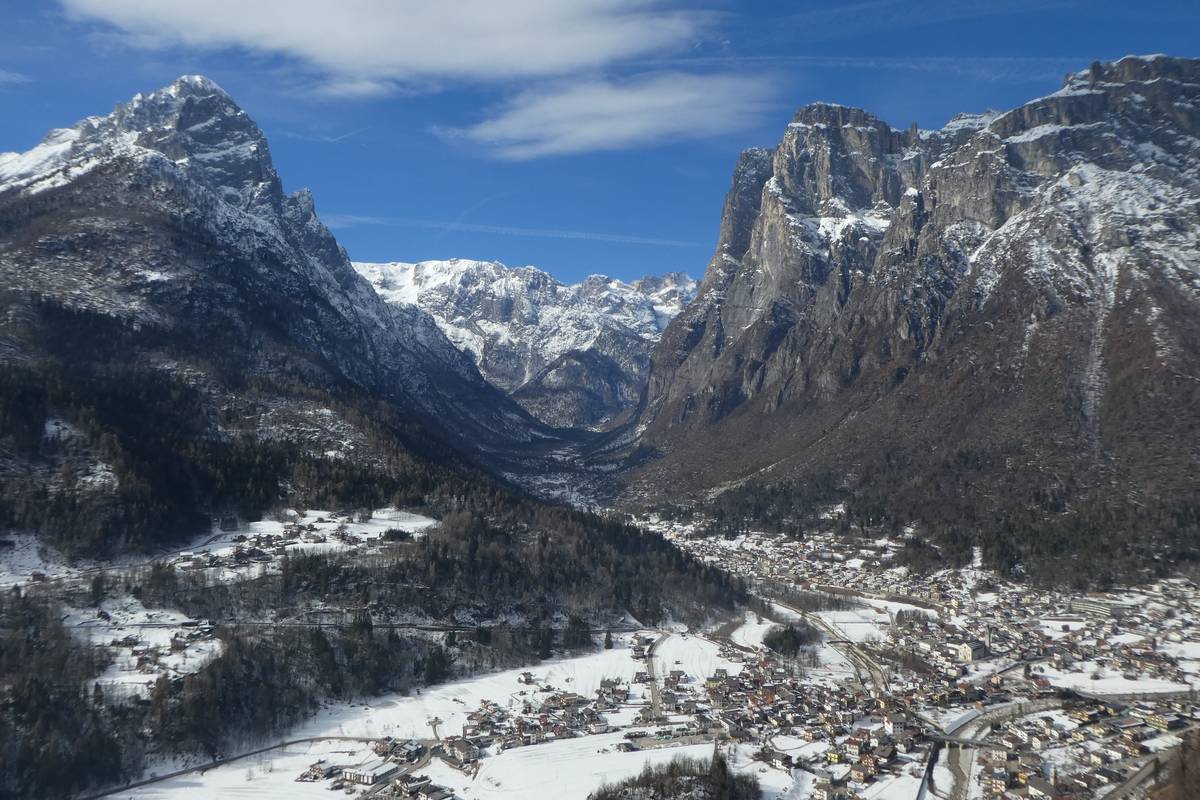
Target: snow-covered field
751 632
27 556
1108 681
19 562
566 770
135 633
409 716
859 624
265 777
569 769
698 658
1059 627
901 787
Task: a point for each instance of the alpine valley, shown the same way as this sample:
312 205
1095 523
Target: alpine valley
899 500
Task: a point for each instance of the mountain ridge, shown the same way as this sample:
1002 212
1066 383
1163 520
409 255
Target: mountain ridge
192 130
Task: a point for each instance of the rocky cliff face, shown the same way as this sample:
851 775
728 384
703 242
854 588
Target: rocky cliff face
1018 291
573 356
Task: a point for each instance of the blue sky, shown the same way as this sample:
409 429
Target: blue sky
582 136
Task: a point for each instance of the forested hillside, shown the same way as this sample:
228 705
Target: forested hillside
527 581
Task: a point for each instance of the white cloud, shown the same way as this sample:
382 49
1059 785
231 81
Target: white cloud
986 68
591 115
553 59
367 47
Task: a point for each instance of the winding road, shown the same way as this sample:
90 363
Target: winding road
240 756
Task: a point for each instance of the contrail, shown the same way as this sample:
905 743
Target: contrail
332 139
460 220
350 220
322 139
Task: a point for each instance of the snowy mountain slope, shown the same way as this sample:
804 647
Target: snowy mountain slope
574 356
998 321
157 241
190 144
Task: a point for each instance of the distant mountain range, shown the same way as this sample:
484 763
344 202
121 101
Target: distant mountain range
573 356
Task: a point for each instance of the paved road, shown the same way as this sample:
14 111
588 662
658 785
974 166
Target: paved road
248 754
220 762
324 624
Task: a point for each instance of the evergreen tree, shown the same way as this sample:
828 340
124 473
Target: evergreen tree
545 643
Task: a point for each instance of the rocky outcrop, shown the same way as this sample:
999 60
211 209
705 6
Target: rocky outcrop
573 356
1020 287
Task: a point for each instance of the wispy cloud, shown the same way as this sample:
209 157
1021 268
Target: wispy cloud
552 60
987 68
10 77
364 48
343 221
590 115
824 21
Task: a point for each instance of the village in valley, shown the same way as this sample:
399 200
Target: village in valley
1026 693
851 679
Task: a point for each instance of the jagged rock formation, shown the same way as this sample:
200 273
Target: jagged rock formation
995 322
157 241
573 356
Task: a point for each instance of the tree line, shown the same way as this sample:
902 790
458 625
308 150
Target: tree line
682 778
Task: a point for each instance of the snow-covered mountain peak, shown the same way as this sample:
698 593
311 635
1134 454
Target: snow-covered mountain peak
168 100
519 322
191 123
194 123
187 227
644 306
1024 289
195 84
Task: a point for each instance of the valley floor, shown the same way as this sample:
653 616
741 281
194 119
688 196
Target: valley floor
1090 692
567 769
